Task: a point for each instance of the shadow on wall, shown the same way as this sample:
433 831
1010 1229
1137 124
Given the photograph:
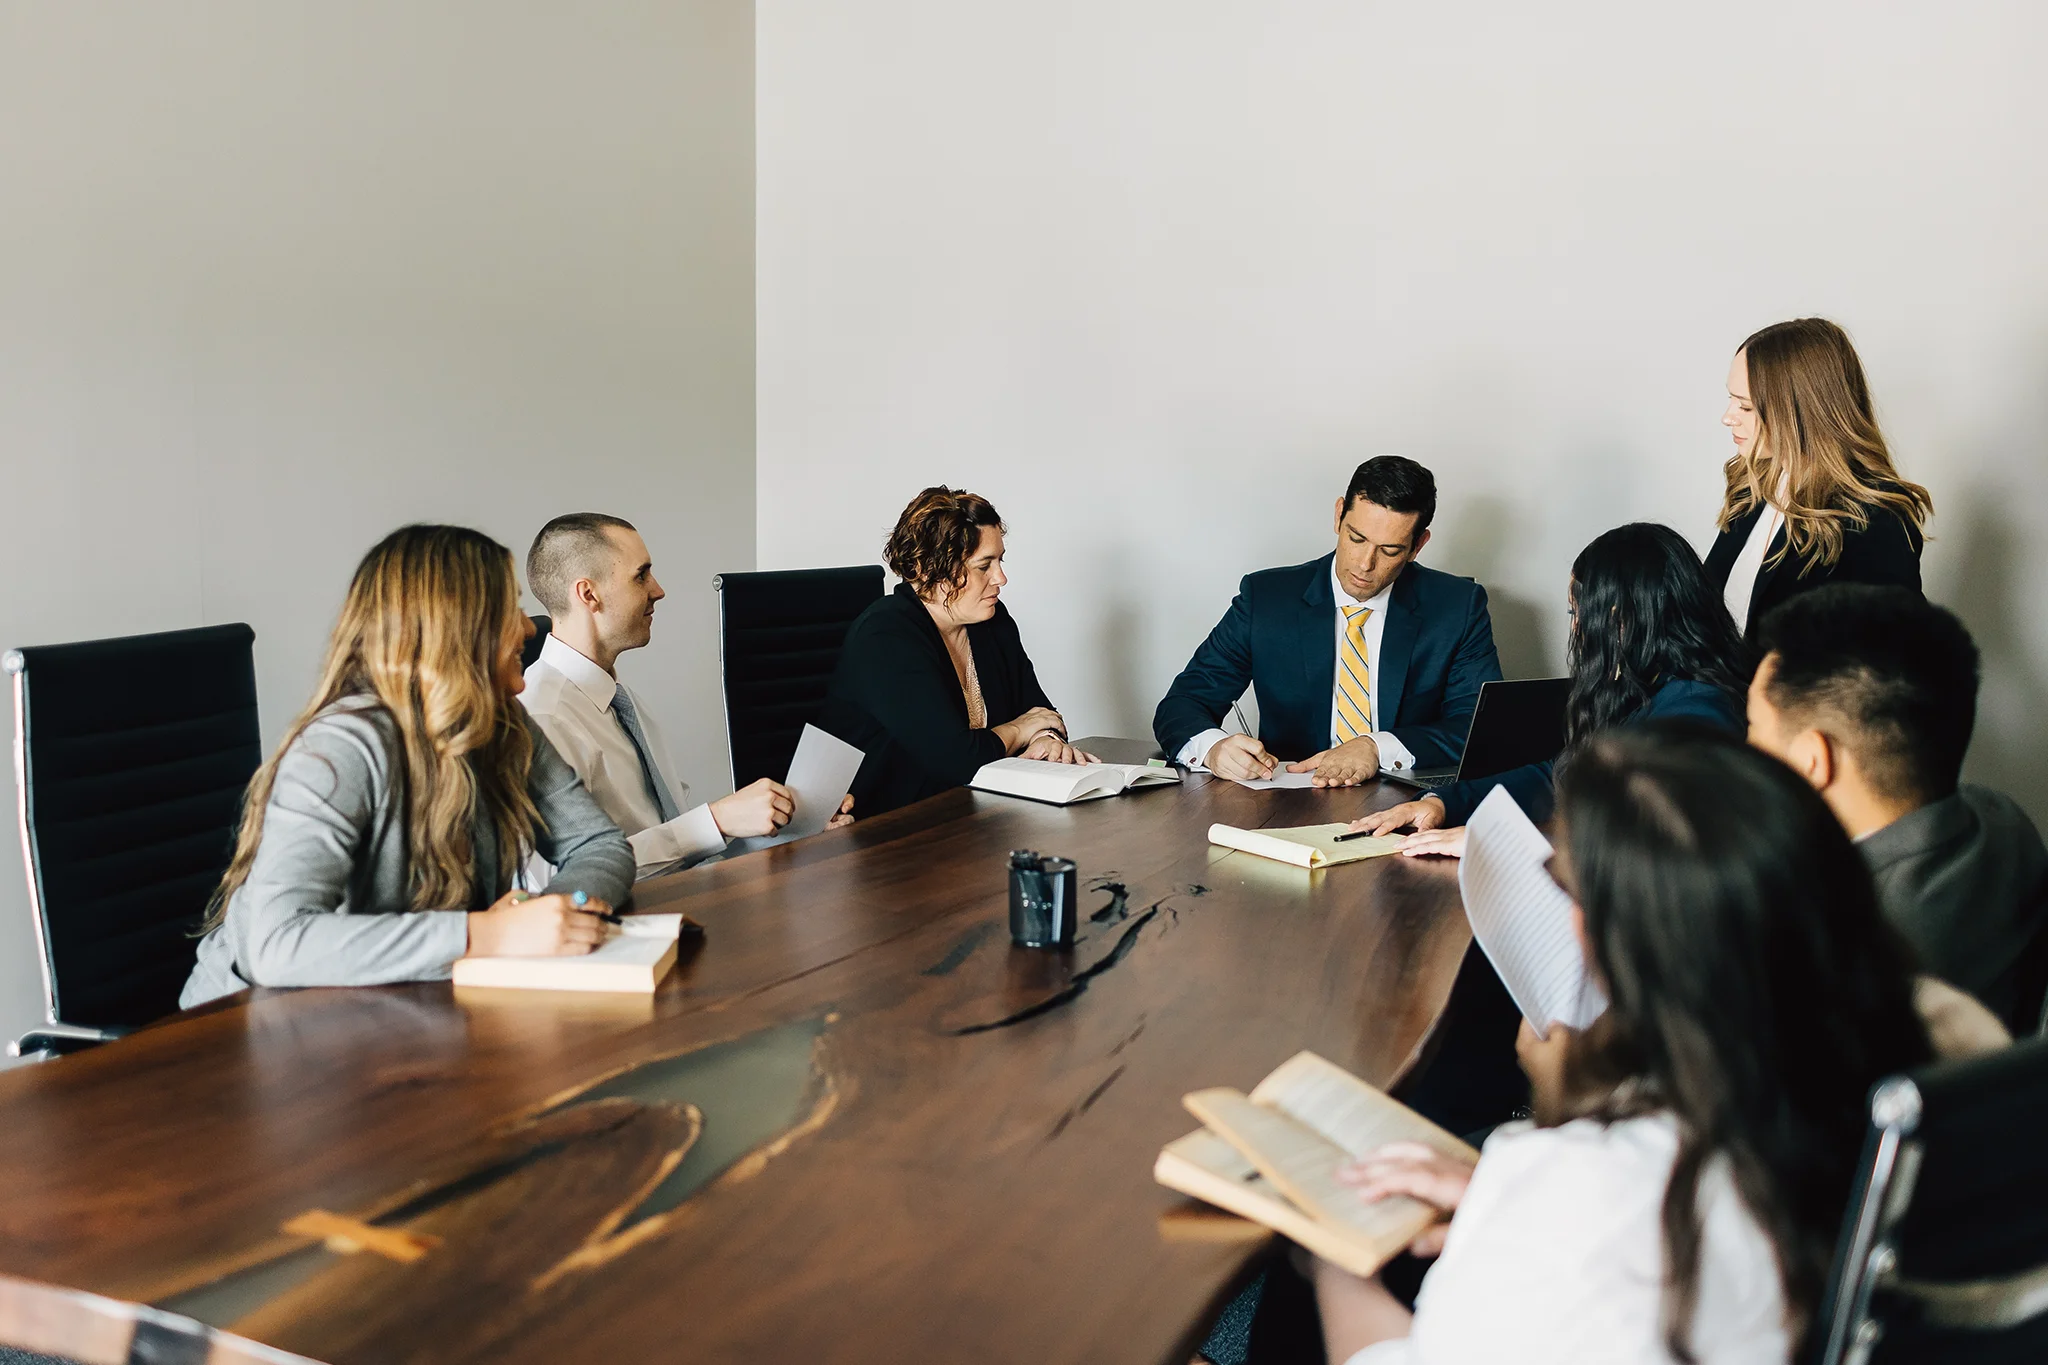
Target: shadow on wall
1118 631
1484 527
2010 750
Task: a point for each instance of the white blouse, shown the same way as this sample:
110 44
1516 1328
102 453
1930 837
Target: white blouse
1556 1255
1749 564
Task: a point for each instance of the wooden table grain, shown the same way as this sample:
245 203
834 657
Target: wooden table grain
912 1140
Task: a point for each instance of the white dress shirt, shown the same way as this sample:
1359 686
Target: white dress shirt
570 698
1556 1257
1393 753
1749 564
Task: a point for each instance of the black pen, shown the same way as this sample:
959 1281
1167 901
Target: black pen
1355 834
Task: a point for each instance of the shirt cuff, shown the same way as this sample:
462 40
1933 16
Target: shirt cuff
1393 753
691 837
1394 1352
1193 752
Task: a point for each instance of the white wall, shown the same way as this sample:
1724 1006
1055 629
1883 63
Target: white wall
275 279
1154 275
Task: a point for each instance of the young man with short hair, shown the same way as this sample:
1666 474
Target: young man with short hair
1871 694
595 577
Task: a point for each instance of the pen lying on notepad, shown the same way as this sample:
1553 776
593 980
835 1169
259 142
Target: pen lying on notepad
1357 834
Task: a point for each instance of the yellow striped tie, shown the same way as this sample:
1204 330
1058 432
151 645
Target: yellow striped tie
1354 678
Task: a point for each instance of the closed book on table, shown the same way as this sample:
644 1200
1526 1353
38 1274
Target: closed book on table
636 958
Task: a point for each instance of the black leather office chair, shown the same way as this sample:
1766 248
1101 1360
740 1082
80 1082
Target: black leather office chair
531 651
779 636
131 757
1944 1253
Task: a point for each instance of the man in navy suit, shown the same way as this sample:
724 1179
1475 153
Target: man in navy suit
1360 659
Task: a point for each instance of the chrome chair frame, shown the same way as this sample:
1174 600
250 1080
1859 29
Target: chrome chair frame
1867 1262
53 1035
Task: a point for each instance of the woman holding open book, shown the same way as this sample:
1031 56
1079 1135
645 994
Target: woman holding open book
933 683
1650 640
382 841
1679 1194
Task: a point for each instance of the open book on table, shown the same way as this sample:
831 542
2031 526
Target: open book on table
1306 845
1522 919
1040 779
1272 1156
636 958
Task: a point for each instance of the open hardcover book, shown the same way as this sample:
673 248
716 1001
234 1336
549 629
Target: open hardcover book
1272 1156
634 959
1062 784
1306 845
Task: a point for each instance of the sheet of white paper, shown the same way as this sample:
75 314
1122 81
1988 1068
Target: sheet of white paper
819 775
1522 920
1281 779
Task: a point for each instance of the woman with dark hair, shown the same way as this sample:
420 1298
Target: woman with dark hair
1680 1190
1812 494
1650 640
384 839
933 682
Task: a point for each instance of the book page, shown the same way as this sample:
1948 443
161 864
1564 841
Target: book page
1523 919
1035 778
820 775
1208 1168
1142 774
1355 1116
1302 1164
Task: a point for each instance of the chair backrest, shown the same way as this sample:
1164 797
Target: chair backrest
531 650
1944 1252
779 636
131 757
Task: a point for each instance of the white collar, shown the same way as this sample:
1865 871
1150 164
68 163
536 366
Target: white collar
592 681
1378 601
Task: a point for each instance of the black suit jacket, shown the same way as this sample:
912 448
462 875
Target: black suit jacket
896 698
1280 636
1885 553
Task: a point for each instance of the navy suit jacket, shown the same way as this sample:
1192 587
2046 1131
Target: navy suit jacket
1280 636
1532 785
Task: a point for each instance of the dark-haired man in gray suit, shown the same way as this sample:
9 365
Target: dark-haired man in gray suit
1871 694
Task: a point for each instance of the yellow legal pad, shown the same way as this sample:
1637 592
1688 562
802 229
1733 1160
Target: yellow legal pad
1306 845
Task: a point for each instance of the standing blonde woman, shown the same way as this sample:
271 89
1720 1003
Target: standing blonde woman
1813 496
382 841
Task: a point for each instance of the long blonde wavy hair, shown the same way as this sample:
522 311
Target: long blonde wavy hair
1818 439
420 632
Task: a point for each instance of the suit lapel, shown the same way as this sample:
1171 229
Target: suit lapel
1397 644
1319 652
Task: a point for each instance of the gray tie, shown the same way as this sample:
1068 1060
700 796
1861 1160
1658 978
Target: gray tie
629 721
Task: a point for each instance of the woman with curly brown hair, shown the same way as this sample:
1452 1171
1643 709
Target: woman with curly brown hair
933 682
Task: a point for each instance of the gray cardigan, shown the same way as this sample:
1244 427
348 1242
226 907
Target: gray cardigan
328 900
1966 880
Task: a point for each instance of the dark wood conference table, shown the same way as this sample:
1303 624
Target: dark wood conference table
856 1124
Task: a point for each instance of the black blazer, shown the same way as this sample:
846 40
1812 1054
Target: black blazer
1280 636
896 698
1885 553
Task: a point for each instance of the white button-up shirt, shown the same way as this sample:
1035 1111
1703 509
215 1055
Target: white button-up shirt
1393 753
570 698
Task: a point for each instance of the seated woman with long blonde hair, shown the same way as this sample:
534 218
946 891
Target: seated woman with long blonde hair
383 839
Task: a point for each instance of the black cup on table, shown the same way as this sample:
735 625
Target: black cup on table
1043 892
